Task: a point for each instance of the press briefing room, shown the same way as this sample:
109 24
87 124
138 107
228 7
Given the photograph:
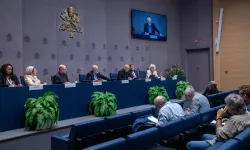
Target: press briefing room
124 75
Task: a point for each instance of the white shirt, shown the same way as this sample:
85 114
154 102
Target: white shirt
149 73
31 80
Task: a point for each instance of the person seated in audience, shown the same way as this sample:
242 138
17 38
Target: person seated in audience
168 111
61 77
239 121
30 77
211 89
244 92
152 73
95 75
196 102
7 76
134 74
124 73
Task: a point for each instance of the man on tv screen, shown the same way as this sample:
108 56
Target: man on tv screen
150 28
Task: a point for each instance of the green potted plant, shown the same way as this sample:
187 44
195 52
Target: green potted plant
155 91
175 70
180 88
103 104
41 113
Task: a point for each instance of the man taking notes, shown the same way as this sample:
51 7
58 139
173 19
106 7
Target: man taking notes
95 75
196 102
168 111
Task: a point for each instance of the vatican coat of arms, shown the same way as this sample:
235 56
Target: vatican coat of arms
71 19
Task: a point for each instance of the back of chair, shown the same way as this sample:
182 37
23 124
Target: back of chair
140 113
191 121
116 144
82 77
170 129
208 115
118 121
52 80
22 81
244 138
87 130
231 144
142 140
113 76
142 74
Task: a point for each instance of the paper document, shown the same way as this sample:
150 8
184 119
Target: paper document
214 122
153 119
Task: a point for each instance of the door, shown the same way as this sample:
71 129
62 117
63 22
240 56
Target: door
198 68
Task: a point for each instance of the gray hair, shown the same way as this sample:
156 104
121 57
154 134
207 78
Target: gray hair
160 100
152 66
189 90
236 103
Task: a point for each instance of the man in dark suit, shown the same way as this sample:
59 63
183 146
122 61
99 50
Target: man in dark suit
134 74
61 77
95 75
150 28
124 73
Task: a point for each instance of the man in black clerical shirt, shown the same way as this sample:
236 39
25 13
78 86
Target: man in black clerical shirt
61 77
95 75
124 73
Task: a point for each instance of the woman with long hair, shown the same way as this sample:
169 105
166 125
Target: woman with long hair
8 77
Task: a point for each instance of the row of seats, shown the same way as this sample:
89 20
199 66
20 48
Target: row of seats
107 129
239 142
218 99
113 76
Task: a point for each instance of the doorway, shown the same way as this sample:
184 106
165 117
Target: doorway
198 74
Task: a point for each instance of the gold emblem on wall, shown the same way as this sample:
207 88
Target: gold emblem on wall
71 19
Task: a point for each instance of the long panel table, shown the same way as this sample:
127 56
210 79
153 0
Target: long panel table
74 102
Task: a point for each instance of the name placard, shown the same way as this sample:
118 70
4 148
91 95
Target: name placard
175 77
125 81
36 88
70 85
147 80
97 83
163 79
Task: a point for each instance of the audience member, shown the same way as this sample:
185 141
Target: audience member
61 77
124 73
134 74
30 77
244 92
211 89
8 77
168 111
196 103
152 73
95 75
239 121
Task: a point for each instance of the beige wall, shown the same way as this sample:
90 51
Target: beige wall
232 63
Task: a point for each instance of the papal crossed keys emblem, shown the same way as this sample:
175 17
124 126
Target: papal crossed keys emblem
71 18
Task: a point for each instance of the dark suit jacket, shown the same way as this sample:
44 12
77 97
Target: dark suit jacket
210 92
122 75
136 73
154 29
90 76
14 78
60 78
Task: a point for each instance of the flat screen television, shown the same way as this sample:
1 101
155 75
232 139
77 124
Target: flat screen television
146 25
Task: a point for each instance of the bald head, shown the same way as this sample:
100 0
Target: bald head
62 68
95 68
160 101
126 68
